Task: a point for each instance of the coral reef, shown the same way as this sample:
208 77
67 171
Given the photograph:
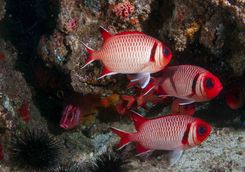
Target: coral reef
216 25
12 82
206 33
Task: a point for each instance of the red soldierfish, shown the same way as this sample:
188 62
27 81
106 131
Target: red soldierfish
187 82
171 132
131 53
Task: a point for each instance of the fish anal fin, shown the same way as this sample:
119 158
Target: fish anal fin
138 119
106 72
105 33
175 155
141 149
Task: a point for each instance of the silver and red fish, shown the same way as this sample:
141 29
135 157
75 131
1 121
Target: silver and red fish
131 52
187 82
173 132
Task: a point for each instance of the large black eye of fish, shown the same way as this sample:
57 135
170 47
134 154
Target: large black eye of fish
209 83
166 51
202 130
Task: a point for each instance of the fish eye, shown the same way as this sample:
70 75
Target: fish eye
166 51
209 83
202 130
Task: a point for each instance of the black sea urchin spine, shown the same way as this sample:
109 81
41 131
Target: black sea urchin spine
110 162
34 150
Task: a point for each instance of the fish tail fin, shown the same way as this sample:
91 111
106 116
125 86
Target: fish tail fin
90 58
125 137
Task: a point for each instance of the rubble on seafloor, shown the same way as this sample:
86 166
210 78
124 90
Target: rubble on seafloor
207 33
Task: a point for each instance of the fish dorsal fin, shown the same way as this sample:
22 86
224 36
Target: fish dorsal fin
105 33
129 32
138 119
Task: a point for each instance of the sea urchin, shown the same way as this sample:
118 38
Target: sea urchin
109 162
34 150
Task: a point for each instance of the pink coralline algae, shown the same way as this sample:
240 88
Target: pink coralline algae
71 25
123 9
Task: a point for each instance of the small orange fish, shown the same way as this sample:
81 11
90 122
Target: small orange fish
171 132
131 53
128 102
108 101
186 82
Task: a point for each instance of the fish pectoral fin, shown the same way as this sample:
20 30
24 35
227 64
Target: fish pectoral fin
106 72
150 86
141 150
142 79
174 156
183 102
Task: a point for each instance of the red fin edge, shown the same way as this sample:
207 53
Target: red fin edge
105 33
106 72
129 32
90 58
138 119
141 149
124 137
148 88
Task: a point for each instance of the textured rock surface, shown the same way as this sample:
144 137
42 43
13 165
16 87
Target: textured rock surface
215 28
207 33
